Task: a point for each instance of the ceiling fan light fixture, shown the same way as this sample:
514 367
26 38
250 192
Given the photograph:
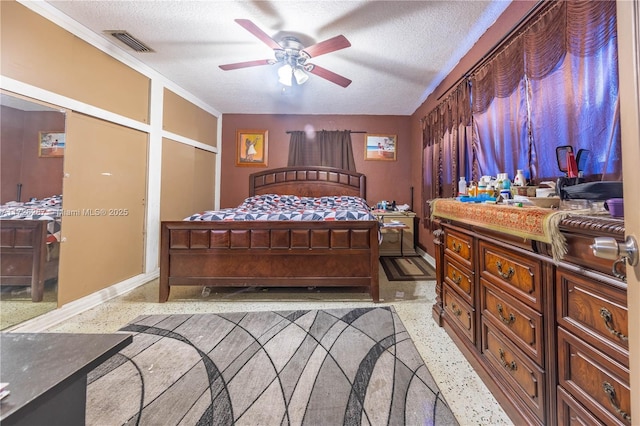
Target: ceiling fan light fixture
300 76
293 56
285 74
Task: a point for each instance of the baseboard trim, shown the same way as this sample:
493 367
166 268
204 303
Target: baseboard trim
45 321
426 256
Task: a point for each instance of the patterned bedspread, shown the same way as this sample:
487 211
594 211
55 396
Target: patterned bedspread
49 208
291 207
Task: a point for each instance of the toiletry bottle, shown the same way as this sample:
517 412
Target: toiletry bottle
506 183
519 180
462 186
482 187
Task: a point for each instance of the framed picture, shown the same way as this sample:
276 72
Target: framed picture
380 147
251 148
51 144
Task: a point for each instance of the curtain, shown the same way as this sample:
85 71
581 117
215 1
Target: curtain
576 102
323 148
554 83
500 140
446 147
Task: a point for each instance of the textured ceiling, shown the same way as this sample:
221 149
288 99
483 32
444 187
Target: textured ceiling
400 50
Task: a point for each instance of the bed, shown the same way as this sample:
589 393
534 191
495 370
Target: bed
276 253
29 244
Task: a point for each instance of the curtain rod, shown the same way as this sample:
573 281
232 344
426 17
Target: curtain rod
350 131
496 46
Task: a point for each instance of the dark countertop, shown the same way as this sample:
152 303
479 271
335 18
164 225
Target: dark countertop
39 364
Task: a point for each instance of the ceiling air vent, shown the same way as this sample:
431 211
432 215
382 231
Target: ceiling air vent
129 40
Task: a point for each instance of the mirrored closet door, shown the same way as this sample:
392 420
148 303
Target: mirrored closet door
32 147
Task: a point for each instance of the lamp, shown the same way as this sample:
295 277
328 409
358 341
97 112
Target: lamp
300 75
287 73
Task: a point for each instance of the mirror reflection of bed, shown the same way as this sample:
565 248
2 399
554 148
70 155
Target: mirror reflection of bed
30 209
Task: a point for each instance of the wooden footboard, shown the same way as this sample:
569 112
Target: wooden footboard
269 254
24 255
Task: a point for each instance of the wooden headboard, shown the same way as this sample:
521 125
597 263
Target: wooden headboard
308 182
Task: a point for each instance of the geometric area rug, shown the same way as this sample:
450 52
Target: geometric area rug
304 367
414 268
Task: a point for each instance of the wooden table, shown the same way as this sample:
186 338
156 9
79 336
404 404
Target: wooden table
47 375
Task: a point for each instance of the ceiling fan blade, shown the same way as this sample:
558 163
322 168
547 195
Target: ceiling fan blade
330 75
253 29
247 64
327 46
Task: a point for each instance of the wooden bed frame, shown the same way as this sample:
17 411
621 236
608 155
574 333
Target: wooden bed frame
276 253
25 257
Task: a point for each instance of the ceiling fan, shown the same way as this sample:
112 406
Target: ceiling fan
294 57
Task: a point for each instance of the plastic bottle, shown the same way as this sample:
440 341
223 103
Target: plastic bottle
506 183
482 188
473 189
462 186
519 180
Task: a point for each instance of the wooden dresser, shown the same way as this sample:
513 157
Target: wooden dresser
548 338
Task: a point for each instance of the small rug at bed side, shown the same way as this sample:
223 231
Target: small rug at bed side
317 367
413 268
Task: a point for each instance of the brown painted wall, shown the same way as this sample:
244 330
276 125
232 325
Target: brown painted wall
40 177
511 16
386 180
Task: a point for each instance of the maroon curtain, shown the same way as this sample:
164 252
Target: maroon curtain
323 148
553 82
446 147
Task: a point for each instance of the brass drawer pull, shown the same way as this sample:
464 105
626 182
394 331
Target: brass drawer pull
507 321
456 247
455 277
611 393
457 312
509 365
506 275
608 322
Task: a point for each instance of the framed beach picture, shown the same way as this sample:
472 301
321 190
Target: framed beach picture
51 144
251 148
380 147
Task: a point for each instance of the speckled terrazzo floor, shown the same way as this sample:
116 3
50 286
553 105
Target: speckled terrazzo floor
16 305
461 387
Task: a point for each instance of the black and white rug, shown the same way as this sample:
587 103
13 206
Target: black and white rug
307 367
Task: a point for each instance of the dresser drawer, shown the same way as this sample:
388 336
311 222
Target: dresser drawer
521 324
460 312
516 274
519 372
597 381
459 278
459 246
572 413
595 311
